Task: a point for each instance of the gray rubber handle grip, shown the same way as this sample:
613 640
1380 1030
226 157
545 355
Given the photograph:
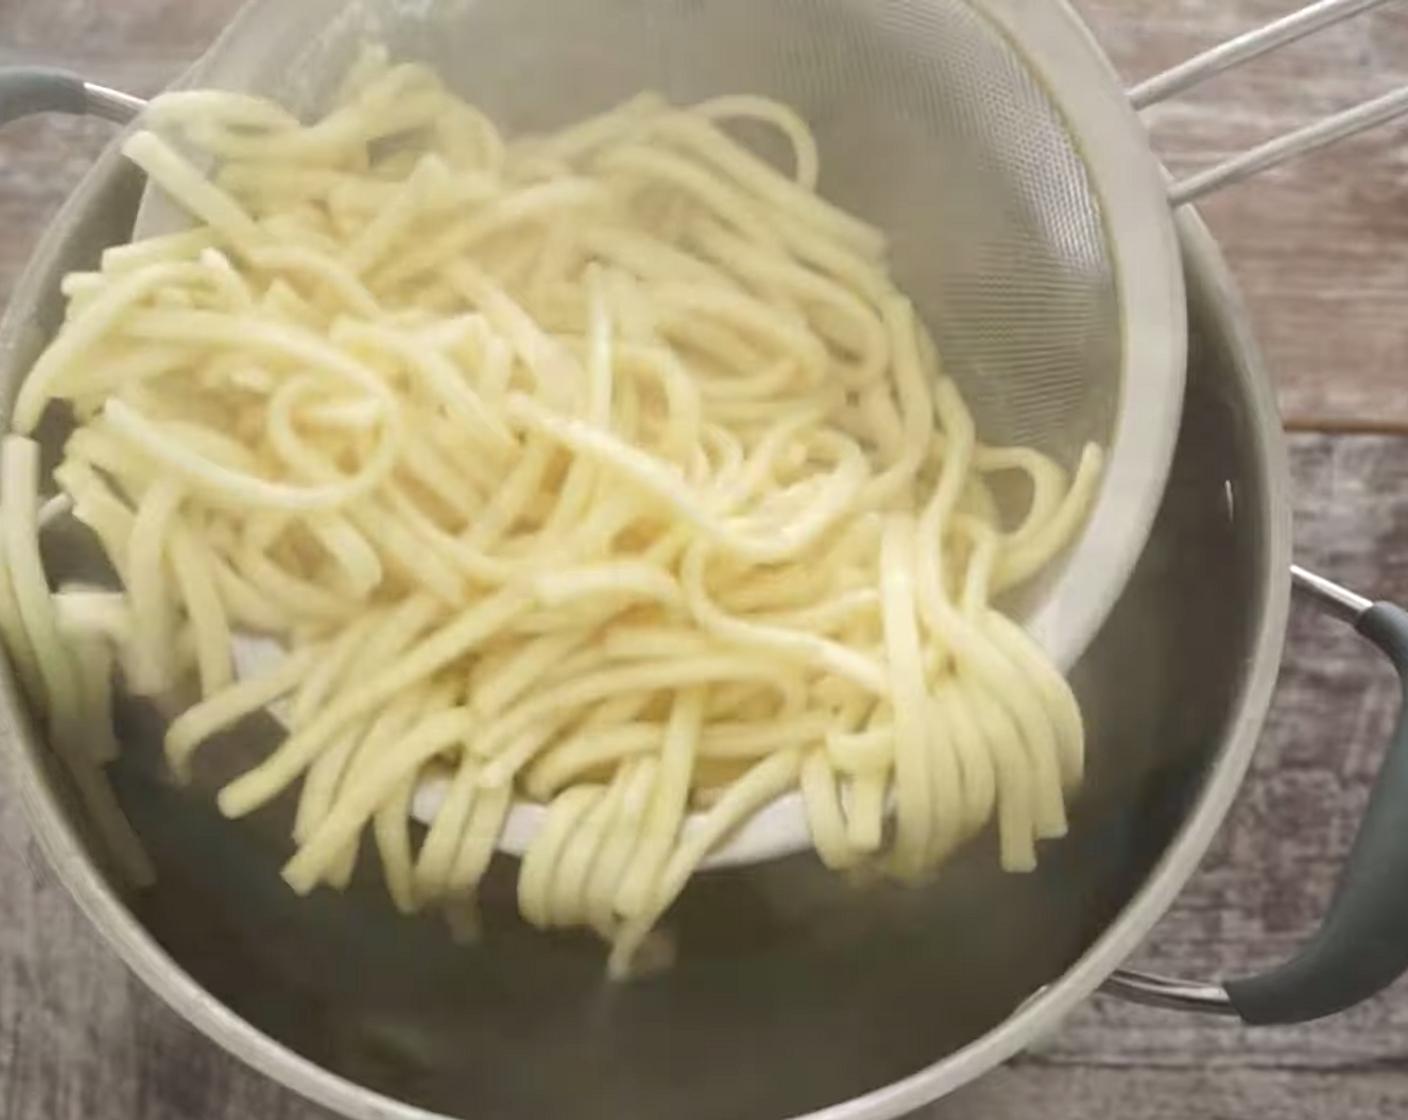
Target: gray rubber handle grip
1362 945
27 90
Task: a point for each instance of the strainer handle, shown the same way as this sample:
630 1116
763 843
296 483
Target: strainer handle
28 90
1361 946
1246 47
1226 56
1303 141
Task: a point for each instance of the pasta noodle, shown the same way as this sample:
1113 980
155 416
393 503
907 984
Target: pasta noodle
606 470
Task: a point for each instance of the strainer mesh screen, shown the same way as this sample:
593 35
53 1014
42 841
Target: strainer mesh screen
929 125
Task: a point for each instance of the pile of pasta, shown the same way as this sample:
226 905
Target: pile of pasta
606 470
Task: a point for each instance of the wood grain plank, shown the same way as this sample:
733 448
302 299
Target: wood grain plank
1319 246
1029 1091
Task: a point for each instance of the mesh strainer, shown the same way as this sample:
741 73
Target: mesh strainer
1027 217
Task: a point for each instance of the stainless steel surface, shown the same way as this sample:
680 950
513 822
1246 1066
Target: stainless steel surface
112 104
1225 56
1330 596
1168 993
877 997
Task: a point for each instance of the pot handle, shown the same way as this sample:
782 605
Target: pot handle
27 90
1361 946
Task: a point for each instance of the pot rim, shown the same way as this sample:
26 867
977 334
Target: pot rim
57 837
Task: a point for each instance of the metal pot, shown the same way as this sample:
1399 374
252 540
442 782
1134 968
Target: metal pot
795 993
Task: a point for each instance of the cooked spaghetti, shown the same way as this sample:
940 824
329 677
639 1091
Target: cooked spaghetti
607 470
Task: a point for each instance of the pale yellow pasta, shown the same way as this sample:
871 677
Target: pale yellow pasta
37 613
589 749
393 841
915 818
789 123
563 821
431 875
567 901
200 594
23 654
96 613
458 639
760 786
669 802
70 704
152 606
93 657
867 812
193 190
358 804
622 839
824 813
603 475
212 716
486 821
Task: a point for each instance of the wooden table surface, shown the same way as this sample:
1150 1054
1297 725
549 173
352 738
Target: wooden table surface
1321 249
